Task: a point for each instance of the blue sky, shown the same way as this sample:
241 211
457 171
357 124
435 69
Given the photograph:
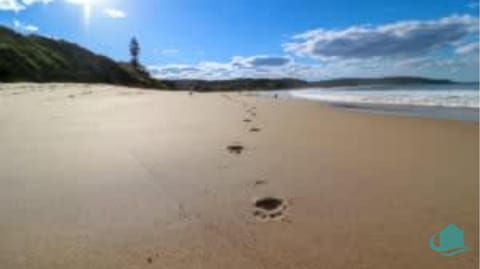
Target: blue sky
216 39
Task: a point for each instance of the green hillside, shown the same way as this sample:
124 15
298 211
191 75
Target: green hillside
40 59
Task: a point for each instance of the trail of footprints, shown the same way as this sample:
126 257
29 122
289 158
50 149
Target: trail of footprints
266 208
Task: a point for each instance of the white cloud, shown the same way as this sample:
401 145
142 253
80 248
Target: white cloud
11 5
17 5
30 2
261 61
29 28
468 49
115 13
76 2
262 66
82 2
401 39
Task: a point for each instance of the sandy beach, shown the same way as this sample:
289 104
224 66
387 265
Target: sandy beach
96 176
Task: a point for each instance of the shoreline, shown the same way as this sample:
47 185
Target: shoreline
431 112
467 114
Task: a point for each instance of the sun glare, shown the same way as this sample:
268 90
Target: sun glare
87 6
87 11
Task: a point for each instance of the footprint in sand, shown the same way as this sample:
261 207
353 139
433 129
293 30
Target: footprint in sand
150 258
247 120
260 182
254 130
235 149
86 92
251 113
269 208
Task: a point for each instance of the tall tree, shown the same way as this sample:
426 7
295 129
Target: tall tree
134 52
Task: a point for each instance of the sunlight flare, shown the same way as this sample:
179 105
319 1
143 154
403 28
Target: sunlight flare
87 6
87 12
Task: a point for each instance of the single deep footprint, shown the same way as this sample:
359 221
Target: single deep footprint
260 182
150 259
269 203
269 208
235 149
255 130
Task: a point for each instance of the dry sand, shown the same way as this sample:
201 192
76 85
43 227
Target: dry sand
95 176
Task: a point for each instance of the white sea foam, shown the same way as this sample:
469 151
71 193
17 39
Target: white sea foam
455 95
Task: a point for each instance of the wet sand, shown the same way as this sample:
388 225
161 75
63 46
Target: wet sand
96 176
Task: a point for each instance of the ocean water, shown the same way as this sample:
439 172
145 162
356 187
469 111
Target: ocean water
452 95
446 101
